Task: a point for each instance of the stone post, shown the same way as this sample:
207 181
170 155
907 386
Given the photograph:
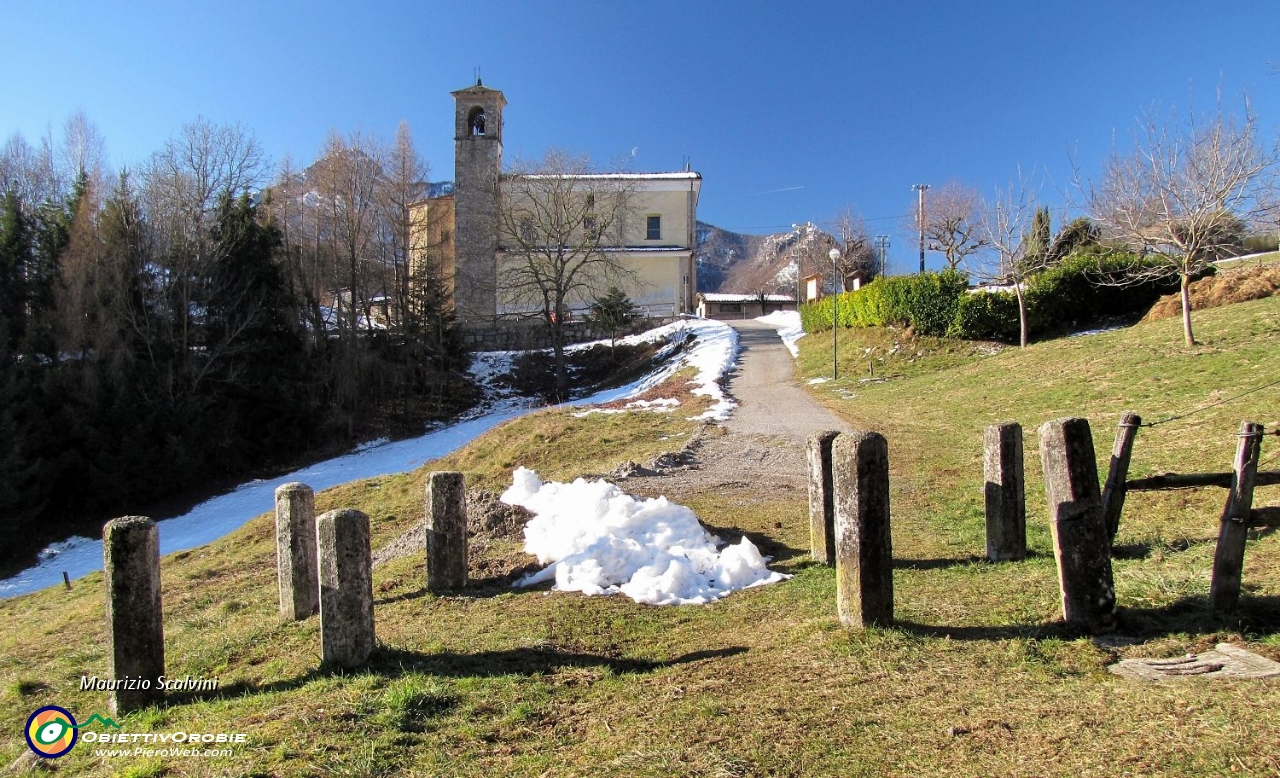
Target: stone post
446 531
1080 543
822 506
346 588
296 551
1006 495
135 629
864 552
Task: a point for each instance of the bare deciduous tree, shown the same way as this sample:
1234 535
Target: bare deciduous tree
182 184
1007 229
351 173
856 252
560 230
406 184
953 223
1179 196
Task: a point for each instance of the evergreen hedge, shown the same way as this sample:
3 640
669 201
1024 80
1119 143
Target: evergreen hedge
938 303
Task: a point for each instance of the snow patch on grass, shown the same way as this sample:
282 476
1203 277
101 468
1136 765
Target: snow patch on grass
596 539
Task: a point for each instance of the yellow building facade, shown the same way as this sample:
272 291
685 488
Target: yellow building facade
496 231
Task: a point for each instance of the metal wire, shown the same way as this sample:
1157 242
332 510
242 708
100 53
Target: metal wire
1211 405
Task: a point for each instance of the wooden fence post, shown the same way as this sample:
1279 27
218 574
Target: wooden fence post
1228 560
1113 493
1079 535
1005 492
822 507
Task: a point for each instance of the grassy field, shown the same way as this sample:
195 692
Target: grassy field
976 678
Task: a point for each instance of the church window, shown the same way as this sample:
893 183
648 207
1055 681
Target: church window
526 230
653 228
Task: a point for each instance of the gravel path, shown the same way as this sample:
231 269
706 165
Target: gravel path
763 443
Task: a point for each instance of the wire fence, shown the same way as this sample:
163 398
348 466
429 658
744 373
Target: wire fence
1215 404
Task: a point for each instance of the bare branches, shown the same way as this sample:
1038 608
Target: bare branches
857 255
953 223
1006 228
1184 195
562 231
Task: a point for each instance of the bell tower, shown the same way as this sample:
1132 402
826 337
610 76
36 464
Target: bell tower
477 166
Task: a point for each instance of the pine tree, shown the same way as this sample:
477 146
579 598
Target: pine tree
613 311
15 258
1039 239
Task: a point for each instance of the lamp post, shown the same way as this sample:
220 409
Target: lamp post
835 313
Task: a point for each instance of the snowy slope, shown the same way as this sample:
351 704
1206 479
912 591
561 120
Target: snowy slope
713 352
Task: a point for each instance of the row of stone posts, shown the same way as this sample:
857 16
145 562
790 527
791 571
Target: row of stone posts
326 563
323 564
850 525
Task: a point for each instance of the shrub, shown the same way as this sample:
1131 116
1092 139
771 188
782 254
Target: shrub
986 316
927 302
1070 294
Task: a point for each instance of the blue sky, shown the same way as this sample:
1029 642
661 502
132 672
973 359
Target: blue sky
791 111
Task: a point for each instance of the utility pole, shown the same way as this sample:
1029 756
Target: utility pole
882 242
921 188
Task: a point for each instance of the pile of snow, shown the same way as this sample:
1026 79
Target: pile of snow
787 323
712 352
597 539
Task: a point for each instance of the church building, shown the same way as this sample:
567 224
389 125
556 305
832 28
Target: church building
474 245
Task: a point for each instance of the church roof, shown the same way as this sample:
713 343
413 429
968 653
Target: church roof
683 175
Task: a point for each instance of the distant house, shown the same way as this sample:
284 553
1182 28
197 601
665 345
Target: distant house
813 285
716 305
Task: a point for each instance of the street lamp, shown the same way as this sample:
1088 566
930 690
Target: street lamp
835 312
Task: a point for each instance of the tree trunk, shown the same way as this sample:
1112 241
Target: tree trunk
1187 334
1022 315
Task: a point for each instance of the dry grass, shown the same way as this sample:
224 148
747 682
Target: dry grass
1227 287
976 678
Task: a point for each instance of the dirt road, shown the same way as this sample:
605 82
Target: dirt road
763 443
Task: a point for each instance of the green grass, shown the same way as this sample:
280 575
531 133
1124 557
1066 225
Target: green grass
976 678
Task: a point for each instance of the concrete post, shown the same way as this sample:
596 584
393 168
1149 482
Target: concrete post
135 628
864 552
296 551
1005 492
446 531
1080 541
346 588
822 506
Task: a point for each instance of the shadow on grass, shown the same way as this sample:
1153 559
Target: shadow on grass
945 564
1189 616
392 662
476 588
1136 551
774 549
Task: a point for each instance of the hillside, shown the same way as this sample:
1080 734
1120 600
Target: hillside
976 677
